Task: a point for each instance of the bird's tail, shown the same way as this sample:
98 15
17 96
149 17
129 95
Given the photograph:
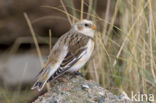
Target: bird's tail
43 78
39 85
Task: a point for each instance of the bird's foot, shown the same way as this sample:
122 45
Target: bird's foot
78 74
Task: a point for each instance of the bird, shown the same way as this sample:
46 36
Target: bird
71 52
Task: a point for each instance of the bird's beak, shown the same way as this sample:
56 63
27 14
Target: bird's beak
93 27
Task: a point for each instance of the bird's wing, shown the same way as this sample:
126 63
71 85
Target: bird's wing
77 45
53 64
65 53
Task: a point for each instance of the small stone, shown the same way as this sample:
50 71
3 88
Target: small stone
101 93
85 86
90 101
53 101
91 96
101 100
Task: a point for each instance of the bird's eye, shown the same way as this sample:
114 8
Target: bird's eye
86 25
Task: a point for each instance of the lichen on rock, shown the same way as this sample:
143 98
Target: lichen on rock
77 90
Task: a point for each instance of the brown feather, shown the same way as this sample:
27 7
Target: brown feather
76 45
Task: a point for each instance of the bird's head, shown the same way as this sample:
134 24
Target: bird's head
85 27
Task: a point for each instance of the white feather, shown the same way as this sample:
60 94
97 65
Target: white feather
86 31
85 58
53 68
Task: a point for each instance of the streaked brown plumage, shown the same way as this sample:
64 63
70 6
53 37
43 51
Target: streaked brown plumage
71 48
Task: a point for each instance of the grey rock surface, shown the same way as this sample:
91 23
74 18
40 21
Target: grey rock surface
77 90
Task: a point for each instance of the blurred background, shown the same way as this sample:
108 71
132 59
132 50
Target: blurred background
124 59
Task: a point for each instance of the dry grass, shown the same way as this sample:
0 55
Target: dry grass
124 59
127 61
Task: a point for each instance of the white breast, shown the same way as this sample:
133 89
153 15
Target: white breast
84 59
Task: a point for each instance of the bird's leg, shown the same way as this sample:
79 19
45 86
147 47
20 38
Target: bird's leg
78 73
75 74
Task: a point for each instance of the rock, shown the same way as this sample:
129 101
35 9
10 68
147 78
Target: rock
77 90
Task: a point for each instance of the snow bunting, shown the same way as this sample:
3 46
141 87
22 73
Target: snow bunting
69 54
